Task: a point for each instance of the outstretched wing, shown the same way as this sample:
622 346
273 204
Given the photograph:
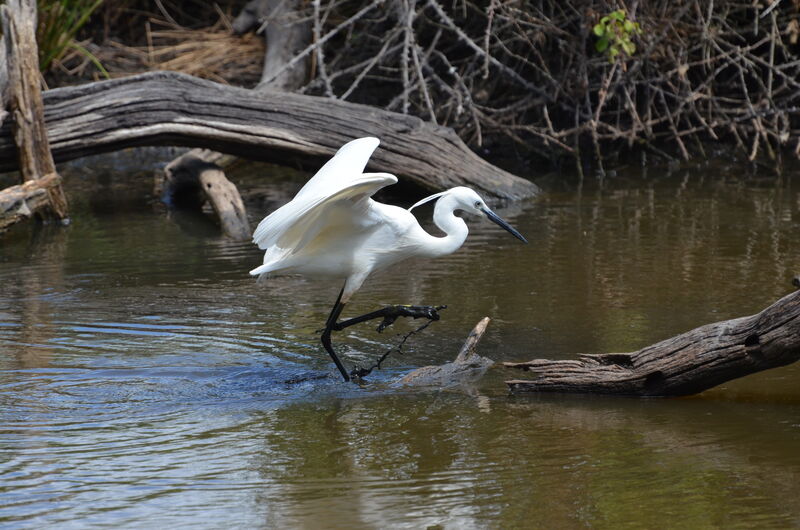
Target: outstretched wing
294 224
348 163
342 172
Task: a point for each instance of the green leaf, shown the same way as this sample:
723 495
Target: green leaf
629 26
601 44
618 15
628 47
599 30
604 20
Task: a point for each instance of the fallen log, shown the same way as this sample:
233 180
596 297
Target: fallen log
686 364
168 108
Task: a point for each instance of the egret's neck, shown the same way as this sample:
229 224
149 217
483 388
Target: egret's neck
454 227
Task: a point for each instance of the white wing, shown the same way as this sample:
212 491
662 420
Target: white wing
338 174
293 226
348 163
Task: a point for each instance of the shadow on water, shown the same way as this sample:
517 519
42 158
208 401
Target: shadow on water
145 379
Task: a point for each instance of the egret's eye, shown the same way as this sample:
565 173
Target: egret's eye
477 204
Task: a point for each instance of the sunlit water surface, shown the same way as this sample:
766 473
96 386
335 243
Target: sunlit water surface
146 380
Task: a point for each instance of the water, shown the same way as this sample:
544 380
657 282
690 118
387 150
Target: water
146 380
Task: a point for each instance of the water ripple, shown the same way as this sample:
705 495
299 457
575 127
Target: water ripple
146 380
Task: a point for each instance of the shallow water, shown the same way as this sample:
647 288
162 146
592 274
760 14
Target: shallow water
146 380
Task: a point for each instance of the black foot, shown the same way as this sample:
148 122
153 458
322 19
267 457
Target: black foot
429 312
391 313
411 311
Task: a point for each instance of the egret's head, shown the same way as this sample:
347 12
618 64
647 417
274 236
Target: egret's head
467 200
470 202
463 198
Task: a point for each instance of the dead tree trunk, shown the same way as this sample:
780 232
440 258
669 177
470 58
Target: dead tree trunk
161 108
286 32
3 78
24 98
686 364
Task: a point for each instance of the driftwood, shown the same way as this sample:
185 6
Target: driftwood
685 364
169 108
467 366
22 94
190 181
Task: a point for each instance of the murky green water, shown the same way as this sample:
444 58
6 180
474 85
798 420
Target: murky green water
143 373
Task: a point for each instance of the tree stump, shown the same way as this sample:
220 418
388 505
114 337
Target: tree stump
190 181
21 202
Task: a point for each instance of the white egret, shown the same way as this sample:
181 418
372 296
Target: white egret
333 228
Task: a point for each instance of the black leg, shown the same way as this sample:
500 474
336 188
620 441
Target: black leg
326 334
389 314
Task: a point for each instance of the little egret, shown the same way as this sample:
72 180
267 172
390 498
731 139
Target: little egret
332 228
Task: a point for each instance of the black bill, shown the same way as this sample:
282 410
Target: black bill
499 220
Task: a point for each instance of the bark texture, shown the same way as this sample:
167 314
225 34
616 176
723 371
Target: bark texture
686 364
24 99
161 108
3 79
286 32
